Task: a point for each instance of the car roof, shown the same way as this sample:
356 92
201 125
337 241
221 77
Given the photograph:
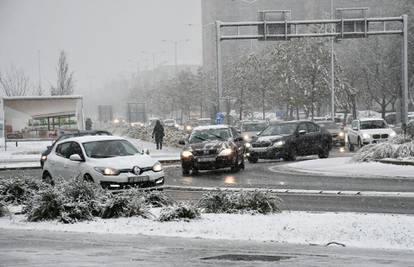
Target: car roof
253 121
206 127
371 119
92 138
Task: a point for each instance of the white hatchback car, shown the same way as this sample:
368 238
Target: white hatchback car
110 161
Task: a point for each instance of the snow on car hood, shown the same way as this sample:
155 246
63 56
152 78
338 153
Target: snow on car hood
209 144
378 131
270 138
125 162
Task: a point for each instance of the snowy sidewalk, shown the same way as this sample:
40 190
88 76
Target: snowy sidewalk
385 231
344 166
27 154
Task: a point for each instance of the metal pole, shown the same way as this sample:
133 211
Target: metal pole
332 71
175 56
219 66
404 95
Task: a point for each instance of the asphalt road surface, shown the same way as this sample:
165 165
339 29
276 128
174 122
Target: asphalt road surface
260 176
43 248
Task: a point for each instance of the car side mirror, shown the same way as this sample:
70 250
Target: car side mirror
181 142
49 147
355 128
147 151
302 132
75 157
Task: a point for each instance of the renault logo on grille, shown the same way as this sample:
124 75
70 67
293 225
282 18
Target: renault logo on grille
136 170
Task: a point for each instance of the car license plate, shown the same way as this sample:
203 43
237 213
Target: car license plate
210 159
138 179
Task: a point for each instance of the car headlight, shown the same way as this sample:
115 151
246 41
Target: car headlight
107 171
43 158
366 136
186 154
188 128
226 152
157 167
246 137
279 143
248 145
341 134
393 134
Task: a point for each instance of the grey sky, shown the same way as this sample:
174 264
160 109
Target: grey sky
103 38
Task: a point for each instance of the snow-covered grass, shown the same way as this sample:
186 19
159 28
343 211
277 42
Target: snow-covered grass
24 152
385 231
345 166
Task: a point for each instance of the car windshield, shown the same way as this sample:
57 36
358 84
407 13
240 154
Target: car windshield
209 134
279 129
329 125
253 127
375 124
109 149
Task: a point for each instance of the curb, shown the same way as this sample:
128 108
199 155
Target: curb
294 191
396 162
297 171
166 162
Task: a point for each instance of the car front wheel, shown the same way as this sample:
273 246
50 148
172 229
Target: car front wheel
47 178
350 146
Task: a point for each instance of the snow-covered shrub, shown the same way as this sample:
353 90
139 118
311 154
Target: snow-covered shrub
405 150
401 139
235 202
16 190
178 212
67 201
157 198
3 209
47 205
171 135
126 204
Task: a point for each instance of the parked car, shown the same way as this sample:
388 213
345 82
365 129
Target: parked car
338 134
287 140
170 123
109 161
366 131
64 136
212 147
250 129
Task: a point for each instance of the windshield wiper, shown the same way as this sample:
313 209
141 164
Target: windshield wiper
199 138
218 136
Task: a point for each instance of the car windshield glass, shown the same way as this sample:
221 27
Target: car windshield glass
329 125
279 129
109 149
253 127
377 124
209 134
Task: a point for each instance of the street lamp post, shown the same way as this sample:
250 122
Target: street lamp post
176 42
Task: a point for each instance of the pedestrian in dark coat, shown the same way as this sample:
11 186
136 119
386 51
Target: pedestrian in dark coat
158 134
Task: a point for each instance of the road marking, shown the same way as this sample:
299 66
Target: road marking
295 191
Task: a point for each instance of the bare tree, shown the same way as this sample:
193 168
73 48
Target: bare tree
65 82
15 82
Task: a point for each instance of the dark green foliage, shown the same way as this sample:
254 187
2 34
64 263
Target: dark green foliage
47 205
3 209
17 190
68 202
126 204
179 211
157 198
235 202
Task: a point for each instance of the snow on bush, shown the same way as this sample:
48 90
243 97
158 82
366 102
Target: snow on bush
158 199
3 209
236 202
16 190
126 204
178 212
67 201
400 147
171 138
